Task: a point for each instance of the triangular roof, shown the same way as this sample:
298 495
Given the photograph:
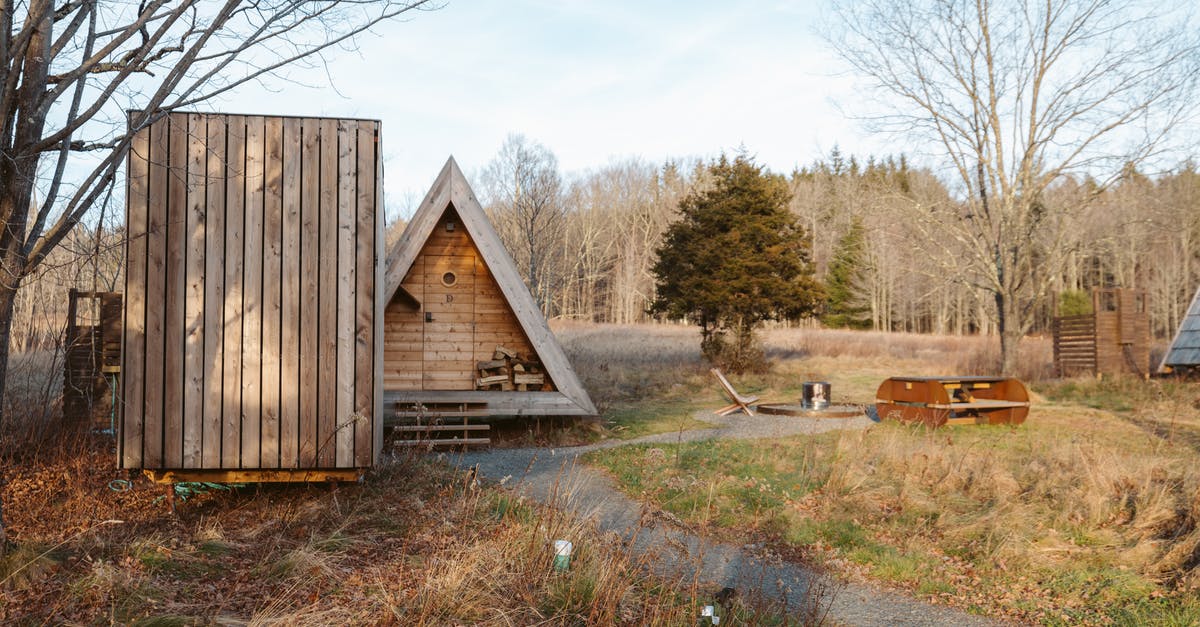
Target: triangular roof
1185 348
451 189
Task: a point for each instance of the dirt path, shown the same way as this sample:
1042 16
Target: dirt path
555 476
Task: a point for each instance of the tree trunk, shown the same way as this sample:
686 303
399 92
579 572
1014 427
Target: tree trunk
8 297
1009 329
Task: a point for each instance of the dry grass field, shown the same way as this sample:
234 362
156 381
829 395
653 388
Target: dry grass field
416 543
1087 514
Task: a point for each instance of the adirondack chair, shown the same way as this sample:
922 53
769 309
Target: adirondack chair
740 402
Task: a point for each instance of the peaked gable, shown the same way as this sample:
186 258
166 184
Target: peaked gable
451 189
1185 348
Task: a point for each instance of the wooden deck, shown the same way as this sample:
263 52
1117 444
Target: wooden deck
498 403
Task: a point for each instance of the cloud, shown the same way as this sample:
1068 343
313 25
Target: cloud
589 80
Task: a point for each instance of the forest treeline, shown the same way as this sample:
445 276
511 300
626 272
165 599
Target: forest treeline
589 241
586 242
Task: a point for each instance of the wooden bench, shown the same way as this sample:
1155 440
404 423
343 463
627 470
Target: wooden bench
740 402
438 424
434 435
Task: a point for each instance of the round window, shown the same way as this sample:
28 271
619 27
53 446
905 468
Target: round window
449 279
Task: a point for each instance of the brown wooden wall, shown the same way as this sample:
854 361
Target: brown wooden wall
1114 339
250 336
1075 345
467 320
92 363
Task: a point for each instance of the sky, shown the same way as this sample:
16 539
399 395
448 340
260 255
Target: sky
593 81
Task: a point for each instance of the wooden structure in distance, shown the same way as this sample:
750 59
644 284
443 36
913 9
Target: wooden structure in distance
1114 339
937 401
1184 352
454 298
92 365
251 346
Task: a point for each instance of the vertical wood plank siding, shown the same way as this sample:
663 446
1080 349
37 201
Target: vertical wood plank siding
133 360
177 196
252 264
235 202
193 346
327 295
252 318
156 243
310 207
289 365
214 292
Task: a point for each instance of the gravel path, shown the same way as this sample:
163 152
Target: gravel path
555 476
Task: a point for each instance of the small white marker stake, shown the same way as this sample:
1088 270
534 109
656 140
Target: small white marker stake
562 554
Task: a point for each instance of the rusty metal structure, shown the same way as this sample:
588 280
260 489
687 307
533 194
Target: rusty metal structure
938 401
1112 340
92 367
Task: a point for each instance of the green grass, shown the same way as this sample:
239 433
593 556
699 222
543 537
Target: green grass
1112 394
1158 613
627 422
726 483
1055 503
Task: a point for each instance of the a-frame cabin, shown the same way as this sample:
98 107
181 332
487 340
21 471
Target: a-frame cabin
460 326
1184 353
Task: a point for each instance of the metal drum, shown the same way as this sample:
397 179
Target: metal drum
816 395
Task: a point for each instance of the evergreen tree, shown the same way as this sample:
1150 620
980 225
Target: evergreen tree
844 308
1074 303
735 258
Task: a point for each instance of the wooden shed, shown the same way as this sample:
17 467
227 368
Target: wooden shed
92 363
1113 339
1184 353
251 346
461 328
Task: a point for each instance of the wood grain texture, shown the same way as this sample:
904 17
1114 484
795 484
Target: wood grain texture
177 194
289 358
252 297
380 301
363 239
272 289
327 382
310 220
214 293
156 243
235 224
346 282
133 355
254 318
193 349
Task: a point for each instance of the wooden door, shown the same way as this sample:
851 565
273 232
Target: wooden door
449 322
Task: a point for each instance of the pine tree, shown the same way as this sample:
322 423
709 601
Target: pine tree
844 308
735 258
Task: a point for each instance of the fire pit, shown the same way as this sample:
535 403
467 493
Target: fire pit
829 411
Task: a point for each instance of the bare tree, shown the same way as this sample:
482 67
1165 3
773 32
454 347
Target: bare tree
524 191
69 71
1016 95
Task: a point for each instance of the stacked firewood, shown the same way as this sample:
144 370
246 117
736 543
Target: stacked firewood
508 371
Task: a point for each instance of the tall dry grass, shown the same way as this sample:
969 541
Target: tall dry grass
33 411
952 354
1084 512
621 364
417 543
